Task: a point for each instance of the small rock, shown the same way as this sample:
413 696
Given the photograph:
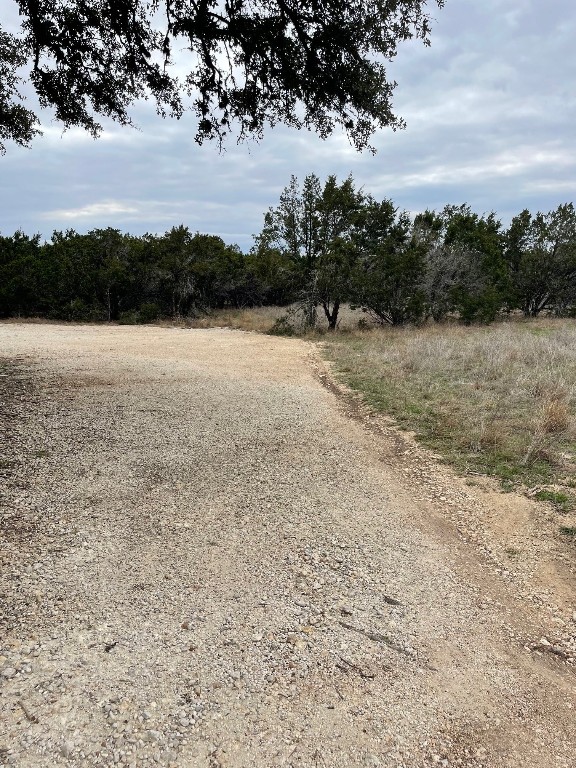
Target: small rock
67 749
218 758
8 672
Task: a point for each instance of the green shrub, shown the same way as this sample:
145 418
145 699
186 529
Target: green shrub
148 312
129 318
79 312
282 327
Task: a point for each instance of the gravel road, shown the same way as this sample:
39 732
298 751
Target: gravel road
206 561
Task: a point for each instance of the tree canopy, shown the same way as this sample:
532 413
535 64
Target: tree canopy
319 64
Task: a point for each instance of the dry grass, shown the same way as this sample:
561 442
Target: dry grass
261 319
498 399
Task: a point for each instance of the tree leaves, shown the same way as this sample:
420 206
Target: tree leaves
252 63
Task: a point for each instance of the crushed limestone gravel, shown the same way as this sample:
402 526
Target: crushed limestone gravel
205 562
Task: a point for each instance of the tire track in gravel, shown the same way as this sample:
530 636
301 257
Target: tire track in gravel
228 571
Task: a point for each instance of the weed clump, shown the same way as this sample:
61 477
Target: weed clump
562 501
282 327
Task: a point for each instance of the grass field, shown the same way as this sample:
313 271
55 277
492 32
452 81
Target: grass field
499 400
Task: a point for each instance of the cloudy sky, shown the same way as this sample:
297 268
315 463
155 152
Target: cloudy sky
491 114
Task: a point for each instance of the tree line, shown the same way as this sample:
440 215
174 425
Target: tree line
323 245
106 275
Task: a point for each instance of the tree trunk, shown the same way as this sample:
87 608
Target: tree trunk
331 316
310 314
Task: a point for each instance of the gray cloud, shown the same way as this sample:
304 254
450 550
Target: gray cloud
490 112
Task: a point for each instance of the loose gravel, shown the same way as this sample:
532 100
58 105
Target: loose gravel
206 562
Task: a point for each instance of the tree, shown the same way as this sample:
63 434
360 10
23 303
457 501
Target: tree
113 264
220 275
16 122
466 270
175 263
316 64
339 211
315 227
541 256
388 276
19 290
273 272
293 226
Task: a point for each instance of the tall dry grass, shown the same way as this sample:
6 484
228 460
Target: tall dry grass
262 319
498 399
258 319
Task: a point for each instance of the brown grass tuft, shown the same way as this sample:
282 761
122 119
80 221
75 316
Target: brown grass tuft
556 417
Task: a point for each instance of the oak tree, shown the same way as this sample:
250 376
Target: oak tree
317 64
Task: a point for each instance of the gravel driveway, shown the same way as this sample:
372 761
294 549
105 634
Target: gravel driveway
207 562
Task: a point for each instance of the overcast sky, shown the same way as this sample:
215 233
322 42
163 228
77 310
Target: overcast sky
491 114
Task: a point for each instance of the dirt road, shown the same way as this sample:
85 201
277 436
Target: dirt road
207 562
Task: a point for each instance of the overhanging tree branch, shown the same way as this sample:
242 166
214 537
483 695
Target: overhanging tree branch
252 63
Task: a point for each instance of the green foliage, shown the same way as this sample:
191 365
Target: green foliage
273 275
313 229
251 64
466 271
541 257
148 312
19 276
16 122
107 275
324 245
282 327
129 318
387 279
562 501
